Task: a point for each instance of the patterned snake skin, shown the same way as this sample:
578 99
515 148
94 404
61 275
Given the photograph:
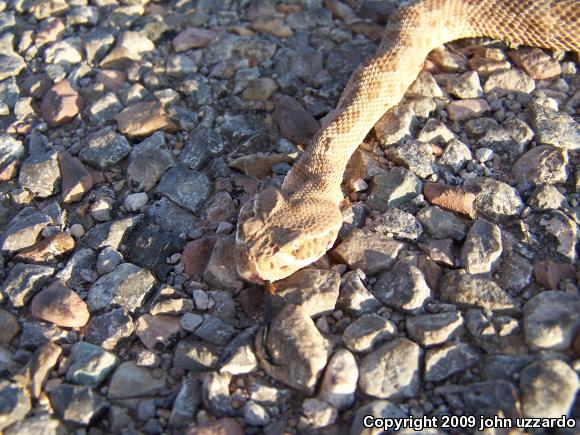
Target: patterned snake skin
281 231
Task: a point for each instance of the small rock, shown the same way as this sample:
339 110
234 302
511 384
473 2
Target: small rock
442 224
551 319
295 122
462 110
60 305
220 272
496 200
399 224
536 64
76 179
214 330
255 414
108 260
482 247
440 251
78 405
187 188
436 132
318 414
371 252
507 82
77 231
40 174
45 250
192 37
79 270
14 404
11 152
23 281
196 356
216 394
392 371
434 329
104 148
510 139
260 89
564 230
127 286
299 353
354 297
547 197
156 332
548 389
483 155
455 156
148 162
393 189
549 273
315 291
10 327
129 380
143 119
186 403
107 329
101 209
367 331
541 165
450 198
553 127
416 156
61 104
135 201
23 230
452 358
37 424
468 290
402 287
396 126
465 85
340 380
110 233
89 364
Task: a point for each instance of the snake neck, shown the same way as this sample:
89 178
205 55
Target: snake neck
381 82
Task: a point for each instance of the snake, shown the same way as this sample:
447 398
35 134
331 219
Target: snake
282 230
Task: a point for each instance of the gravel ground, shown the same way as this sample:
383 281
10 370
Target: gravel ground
133 131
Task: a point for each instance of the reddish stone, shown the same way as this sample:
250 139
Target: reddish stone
155 332
143 119
535 63
196 255
60 305
47 249
549 273
439 250
193 37
111 79
451 198
76 179
294 121
60 104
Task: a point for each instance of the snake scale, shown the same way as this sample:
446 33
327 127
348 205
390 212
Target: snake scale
282 231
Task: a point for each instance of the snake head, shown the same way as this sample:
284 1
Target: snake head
278 235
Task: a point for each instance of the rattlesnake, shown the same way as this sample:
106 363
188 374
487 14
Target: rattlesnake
281 231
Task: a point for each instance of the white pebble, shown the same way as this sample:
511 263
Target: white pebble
77 231
135 201
483 155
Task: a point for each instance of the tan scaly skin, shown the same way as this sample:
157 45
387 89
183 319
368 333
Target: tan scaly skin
282 231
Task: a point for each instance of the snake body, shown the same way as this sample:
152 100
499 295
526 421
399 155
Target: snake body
281 231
